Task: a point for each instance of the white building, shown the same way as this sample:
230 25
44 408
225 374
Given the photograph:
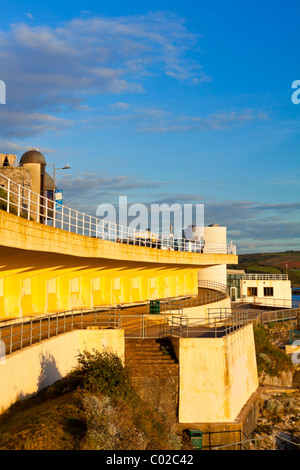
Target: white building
272 290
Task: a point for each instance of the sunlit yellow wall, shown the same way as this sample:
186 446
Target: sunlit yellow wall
44 269
26 372
216 376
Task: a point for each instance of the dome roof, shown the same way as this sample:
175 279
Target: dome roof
33 156
49 183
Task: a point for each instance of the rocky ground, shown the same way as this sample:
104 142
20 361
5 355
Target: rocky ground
279 420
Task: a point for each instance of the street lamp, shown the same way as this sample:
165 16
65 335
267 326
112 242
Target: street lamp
66 167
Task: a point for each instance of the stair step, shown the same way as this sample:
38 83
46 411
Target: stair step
150 357
145 361
152 353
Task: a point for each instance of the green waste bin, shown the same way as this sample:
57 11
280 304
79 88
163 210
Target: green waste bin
154 307
195 436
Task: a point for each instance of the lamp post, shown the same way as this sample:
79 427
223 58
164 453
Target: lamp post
66 167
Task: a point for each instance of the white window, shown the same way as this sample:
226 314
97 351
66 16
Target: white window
74 285
26 286
51 286
117 283
96 283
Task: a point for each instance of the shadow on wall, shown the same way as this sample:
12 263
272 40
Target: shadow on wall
49 372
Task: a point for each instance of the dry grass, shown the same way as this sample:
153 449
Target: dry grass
75 414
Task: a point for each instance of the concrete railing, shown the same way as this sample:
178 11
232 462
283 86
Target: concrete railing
25 203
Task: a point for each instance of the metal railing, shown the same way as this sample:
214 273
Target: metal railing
276 316
207 284
266 316
267 301
215 292
32 206
20 333
245 444
211 327
143 326
264 277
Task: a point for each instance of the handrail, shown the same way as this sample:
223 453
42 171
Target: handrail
30 205
17 335
264 276
257 439
219 323
207 284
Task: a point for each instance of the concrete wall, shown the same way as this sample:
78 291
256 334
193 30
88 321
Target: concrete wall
281 291
215 234
25 372
216 273
216 376
213 273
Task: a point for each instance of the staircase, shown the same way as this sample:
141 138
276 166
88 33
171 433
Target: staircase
150 358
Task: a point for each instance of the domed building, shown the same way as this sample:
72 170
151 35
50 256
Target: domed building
32 156
30 174
35 162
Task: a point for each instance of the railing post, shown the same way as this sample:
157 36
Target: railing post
10 341
54 211
8 195
19 199
46 211
38 210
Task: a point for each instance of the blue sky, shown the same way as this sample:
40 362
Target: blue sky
177 102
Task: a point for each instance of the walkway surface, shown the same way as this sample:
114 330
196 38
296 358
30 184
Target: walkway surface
135 320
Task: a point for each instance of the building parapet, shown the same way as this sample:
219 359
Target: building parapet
24 202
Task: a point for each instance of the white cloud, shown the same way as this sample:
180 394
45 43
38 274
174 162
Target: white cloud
161 121
108 55
55 69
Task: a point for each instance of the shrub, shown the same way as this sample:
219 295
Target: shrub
270 359
96 371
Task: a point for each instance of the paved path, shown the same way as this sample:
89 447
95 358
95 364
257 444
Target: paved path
17 334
